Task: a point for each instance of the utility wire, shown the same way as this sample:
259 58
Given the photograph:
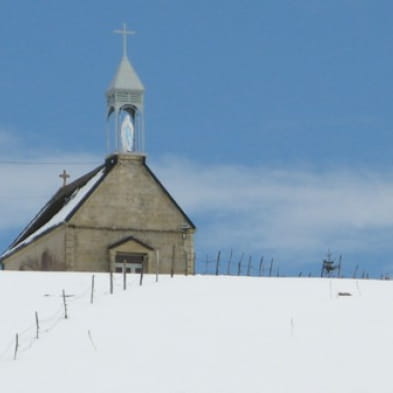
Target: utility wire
47 163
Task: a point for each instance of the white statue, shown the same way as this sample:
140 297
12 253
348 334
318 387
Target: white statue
127 134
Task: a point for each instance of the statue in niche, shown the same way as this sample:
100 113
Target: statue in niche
127 134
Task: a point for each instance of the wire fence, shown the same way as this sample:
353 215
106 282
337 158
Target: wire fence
25 339
231 264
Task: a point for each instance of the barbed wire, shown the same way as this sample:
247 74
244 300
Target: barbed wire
28 336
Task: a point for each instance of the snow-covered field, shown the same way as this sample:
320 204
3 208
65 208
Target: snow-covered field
196 334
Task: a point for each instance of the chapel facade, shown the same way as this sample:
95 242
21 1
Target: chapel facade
119 215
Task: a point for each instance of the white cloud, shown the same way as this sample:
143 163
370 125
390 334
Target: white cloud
26 187
289 211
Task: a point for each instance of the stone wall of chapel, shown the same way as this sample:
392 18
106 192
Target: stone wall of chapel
92 254
129 197
44 253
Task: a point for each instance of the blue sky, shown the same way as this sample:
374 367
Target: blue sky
276 114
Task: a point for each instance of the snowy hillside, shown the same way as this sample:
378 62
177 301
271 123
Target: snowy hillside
199 334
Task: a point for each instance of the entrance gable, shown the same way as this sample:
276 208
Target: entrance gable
130 253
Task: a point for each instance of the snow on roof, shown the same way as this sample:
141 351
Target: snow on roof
61 216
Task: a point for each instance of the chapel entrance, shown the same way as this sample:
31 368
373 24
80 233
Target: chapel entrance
131 262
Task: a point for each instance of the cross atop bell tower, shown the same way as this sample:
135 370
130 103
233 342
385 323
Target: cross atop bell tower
124 97
124 32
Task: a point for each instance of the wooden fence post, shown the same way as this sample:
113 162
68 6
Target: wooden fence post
186 263
261 267
92 290
239 267
157 264
37 326
249 265
355 272
111 282
339 267
124 275
218 263
229 263
16 345
271 267
141 276
173 260
65 305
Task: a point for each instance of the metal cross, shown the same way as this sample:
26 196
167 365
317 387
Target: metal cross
124 32
64 176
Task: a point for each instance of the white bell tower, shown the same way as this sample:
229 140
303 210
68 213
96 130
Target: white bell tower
124 98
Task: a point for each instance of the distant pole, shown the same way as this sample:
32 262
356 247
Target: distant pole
173 260
37 326
261 267
157 264
218 263
207 264
65 305
92 290
229 263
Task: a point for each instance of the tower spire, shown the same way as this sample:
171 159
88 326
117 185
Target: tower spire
124 32
125 105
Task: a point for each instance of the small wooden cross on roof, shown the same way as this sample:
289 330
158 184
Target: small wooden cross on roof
64 176
124 32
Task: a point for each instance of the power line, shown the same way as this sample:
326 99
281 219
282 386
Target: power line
47 163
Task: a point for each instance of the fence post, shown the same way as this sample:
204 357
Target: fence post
124 275
92 290
111 282
271 267
173 260
249 265
240 264
339 267
355 272
37 326
186 263
218 262
229 263
16 345
141 276
65 305
157 264
261 266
